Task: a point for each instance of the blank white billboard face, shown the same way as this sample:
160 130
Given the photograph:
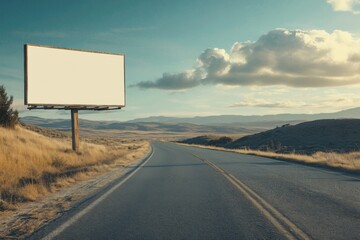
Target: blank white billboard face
64 77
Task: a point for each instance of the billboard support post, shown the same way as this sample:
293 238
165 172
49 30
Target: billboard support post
75 129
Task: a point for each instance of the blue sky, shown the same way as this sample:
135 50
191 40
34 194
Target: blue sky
220 57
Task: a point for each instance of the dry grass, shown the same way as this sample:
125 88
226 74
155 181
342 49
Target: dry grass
346 161
32 165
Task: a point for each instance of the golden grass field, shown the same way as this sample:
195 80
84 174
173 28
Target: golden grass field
347 161
33 165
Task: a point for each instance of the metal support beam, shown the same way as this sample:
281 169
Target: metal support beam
75 129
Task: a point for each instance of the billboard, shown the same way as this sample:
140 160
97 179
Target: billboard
59 77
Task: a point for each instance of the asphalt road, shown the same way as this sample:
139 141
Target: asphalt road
191 193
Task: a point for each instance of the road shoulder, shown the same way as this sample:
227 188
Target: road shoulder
32 216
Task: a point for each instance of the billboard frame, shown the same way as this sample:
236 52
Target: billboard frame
67 106
73 107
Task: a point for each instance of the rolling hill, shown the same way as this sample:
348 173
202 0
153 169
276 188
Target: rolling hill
336 135
237 124
260 120
65 124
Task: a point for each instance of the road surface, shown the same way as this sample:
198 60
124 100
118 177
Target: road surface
191 193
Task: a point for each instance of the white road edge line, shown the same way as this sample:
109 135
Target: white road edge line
87 209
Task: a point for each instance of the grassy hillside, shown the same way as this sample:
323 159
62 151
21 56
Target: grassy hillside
334 143
335 135
146 131
33 164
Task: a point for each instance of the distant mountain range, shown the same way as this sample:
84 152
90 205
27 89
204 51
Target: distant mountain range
230 119
65 124
221 124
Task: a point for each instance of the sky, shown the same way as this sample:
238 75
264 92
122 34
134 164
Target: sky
196 57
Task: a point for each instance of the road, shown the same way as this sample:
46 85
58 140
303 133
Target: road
192 193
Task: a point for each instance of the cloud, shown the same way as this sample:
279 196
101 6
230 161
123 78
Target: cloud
345 5
179 81
263 103
338 100
308 100
294 58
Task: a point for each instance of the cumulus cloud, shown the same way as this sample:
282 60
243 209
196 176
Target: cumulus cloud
345 5
294 58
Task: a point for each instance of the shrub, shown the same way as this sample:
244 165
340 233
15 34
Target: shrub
8 117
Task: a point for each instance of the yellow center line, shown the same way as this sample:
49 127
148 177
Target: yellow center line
287 228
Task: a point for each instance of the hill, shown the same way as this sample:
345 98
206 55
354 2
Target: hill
173 127
260 120
139 126
31 161
337 135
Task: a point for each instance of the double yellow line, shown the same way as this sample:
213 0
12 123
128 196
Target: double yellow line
281 223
